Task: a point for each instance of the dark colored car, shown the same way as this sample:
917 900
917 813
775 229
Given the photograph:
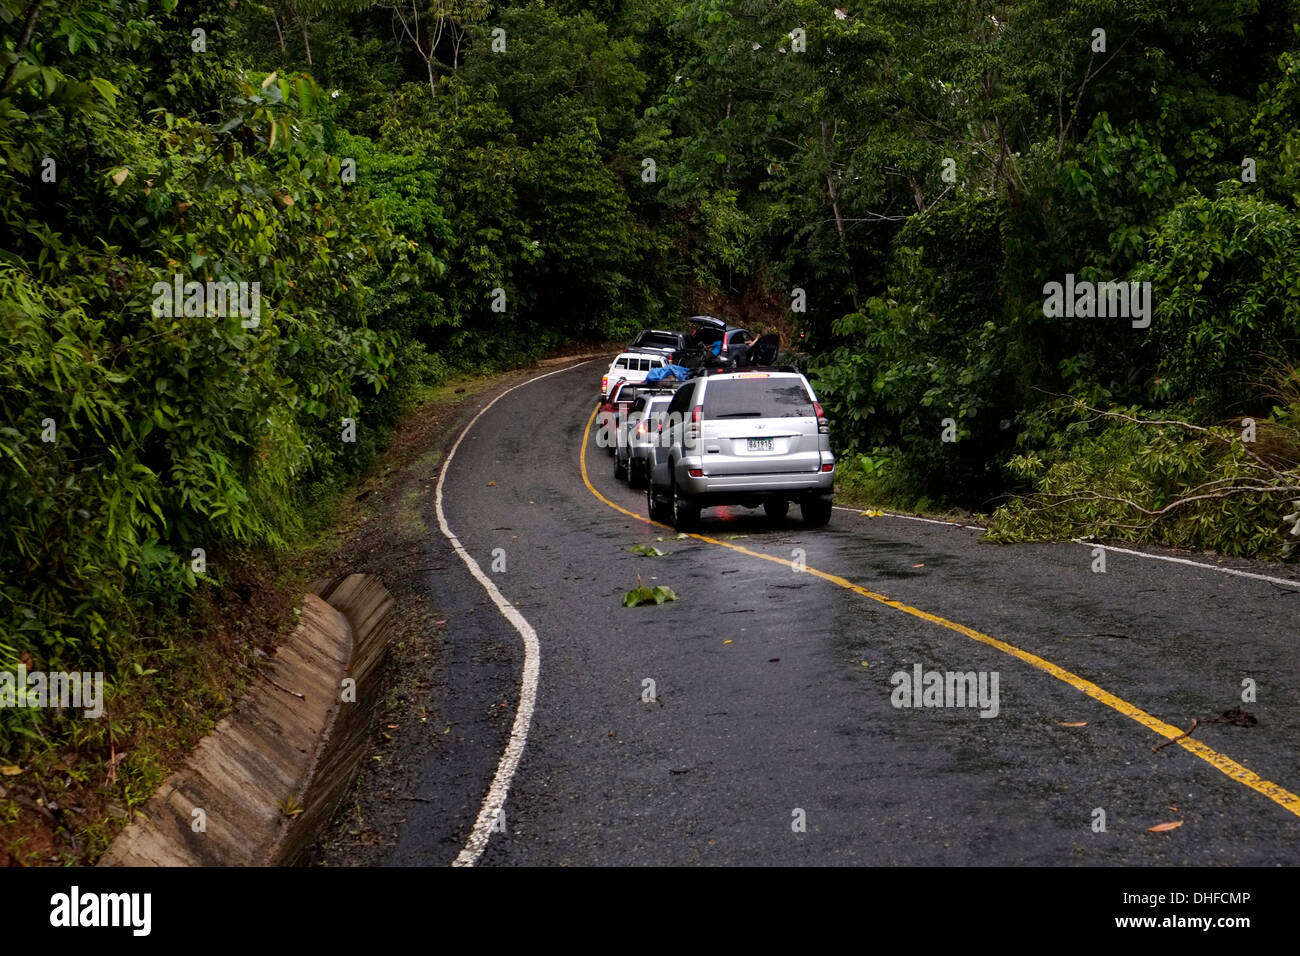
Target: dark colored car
709 331
671 344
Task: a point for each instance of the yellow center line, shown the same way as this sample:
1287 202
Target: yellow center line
1275 792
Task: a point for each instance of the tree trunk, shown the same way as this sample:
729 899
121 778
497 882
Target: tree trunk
302 25
279 34
29 27
306 43
839 218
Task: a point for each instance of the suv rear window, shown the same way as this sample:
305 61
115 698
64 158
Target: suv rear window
656 340
757 398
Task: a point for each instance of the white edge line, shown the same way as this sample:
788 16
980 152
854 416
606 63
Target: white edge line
891 514
1294 585
1287 582
495 800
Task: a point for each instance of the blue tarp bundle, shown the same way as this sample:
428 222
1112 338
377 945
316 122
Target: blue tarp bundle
668 371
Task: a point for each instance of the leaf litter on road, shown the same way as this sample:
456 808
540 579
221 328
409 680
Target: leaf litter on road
643 595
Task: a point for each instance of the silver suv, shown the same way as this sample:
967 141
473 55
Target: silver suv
636 436
749 438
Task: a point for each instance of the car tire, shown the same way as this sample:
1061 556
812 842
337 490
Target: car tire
777 508
658 511
634 479
816 512
620 469
685 514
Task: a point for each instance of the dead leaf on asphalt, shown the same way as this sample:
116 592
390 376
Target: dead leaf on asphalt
1074 723
1166 827
1235 716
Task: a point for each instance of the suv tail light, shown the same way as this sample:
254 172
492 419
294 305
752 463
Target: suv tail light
691 433
695 472
822 427
604 385
642 427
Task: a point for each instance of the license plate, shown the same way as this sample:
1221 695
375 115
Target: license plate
760 444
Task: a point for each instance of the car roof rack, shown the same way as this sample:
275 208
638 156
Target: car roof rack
663 385
671 385
727 370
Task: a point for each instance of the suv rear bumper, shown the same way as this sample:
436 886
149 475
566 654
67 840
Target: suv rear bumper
736 487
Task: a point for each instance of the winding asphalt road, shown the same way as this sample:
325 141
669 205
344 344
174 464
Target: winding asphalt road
771 737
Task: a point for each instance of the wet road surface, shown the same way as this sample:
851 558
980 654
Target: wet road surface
773 736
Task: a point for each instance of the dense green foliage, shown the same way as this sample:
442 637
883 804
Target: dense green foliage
922 170
133 434
503 178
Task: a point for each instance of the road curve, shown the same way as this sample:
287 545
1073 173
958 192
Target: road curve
773 736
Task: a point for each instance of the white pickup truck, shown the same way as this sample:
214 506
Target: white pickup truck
631 367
